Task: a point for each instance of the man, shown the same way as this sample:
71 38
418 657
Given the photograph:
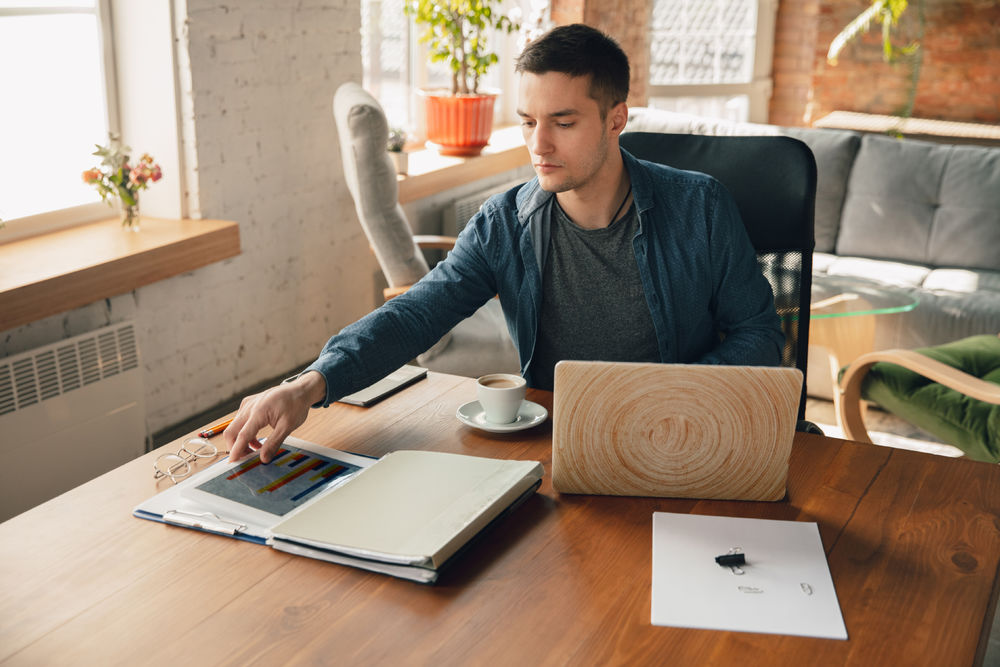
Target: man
601 256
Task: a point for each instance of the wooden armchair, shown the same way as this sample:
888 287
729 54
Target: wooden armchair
958 402
424 242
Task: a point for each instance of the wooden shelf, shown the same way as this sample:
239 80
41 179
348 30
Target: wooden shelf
914 128
51 273
430 172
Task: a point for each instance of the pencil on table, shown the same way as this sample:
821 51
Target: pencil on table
215 430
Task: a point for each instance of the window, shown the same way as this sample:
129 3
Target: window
385 56
712 57
395 64
56 106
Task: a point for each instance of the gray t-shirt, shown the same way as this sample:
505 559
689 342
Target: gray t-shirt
593 305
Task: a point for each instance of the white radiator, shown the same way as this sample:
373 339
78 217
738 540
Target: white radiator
461 211
69 412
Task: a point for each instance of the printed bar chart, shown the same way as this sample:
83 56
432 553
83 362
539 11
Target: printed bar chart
280 486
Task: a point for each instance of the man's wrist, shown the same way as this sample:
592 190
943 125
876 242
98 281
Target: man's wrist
311 385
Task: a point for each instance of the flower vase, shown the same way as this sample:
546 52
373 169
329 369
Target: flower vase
129 214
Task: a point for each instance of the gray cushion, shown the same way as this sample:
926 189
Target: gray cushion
966 229
892 196
822 261
963 281
476 346
647 119
834 151
943 316
898 274
953 303
371 178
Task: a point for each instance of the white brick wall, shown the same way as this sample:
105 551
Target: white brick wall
262 81
257 102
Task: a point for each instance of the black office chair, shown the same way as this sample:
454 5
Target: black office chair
773 180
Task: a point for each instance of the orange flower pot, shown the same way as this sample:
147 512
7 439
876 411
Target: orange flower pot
458 124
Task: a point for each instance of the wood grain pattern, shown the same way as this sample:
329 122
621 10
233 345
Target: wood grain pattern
52 273
678 431
913 543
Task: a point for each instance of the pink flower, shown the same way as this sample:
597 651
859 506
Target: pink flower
116 177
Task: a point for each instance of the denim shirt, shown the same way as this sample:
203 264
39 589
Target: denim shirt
707 297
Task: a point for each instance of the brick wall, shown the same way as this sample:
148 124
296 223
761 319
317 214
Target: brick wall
794 52
261 90
258 130
960 78
627 22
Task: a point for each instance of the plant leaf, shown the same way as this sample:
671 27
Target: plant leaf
853 30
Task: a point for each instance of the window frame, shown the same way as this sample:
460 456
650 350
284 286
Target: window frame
54 220
758 90
506 47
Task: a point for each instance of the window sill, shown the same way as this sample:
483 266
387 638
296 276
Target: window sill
430 172
52 273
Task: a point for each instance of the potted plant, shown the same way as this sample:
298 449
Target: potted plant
460 120
394 144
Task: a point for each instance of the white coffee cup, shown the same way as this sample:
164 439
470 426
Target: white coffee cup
501 395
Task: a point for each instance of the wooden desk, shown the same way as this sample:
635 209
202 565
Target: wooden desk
913 543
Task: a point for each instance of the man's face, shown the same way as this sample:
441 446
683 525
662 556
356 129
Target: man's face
563 129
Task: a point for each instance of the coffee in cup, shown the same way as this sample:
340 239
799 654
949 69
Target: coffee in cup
501 395
500 382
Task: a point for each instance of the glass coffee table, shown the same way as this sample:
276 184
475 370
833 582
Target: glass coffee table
843 314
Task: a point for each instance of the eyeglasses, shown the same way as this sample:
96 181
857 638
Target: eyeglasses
177 465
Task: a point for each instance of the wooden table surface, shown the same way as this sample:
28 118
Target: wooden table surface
913 543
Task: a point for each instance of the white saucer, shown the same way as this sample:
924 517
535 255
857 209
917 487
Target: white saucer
530 414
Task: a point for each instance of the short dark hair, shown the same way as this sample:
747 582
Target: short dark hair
578 50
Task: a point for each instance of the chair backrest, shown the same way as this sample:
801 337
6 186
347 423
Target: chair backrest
773 180
371 179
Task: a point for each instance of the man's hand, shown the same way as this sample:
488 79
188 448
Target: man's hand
283 408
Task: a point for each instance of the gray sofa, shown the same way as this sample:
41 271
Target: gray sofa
919 217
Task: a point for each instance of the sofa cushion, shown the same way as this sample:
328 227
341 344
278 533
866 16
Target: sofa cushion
822 261
963 281
883 271
647 119
953 303
834 151
966 228
971 425
944 315
892 197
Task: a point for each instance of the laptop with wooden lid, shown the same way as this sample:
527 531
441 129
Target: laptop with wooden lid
673 430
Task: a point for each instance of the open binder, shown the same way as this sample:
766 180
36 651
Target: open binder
406 514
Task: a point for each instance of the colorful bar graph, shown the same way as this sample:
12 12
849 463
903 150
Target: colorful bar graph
253 463
295 474
323 481
291 479
297 459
